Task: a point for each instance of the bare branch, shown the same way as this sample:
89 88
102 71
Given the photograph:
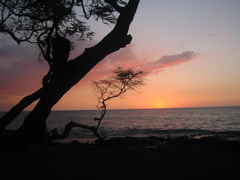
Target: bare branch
69 127
84 11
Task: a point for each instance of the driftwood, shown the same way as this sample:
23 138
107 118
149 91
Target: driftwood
55 135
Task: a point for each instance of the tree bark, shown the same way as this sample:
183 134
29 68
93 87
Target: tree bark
34 125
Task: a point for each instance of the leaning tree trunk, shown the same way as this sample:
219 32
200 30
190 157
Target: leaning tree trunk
23 103
33 127
17 109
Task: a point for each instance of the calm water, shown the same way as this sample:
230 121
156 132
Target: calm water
192 122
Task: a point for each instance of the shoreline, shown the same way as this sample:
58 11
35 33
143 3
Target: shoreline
125 158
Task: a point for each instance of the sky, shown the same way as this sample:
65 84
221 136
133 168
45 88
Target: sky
189 49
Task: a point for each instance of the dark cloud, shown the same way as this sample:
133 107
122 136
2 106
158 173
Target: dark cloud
4 97
20 70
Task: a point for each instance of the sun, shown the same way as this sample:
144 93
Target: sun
160 105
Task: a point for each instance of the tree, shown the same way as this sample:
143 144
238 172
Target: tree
48 24
114 86
49 21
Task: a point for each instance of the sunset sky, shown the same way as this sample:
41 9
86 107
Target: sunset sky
189 48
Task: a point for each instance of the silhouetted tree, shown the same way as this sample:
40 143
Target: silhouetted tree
44 23
114 86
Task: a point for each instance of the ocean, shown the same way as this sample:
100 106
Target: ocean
221 122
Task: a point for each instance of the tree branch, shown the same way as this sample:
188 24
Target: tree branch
68 128
116 39
114 4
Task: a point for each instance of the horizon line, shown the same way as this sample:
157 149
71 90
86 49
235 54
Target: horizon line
139 108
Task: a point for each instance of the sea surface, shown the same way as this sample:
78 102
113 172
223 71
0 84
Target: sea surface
222 122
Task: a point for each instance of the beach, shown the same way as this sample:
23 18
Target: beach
125 158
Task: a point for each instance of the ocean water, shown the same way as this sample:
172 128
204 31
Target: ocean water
223 122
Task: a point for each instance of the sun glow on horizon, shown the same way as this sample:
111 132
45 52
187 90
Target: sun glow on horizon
160 104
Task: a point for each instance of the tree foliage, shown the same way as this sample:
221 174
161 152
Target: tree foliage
39 21
33 20
115 86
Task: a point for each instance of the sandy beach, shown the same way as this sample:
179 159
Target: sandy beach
124 158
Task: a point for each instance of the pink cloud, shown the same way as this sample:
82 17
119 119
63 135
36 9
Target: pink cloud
126 58
167 61
21 73
229 34
212 35
122 58
220 35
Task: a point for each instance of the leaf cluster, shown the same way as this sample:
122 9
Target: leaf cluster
116 85
36 21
